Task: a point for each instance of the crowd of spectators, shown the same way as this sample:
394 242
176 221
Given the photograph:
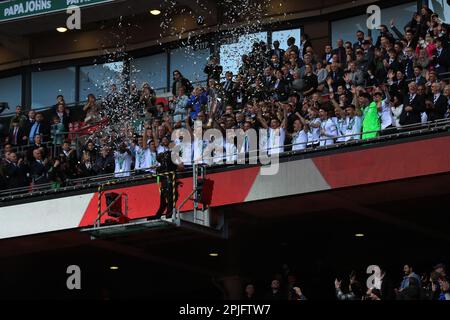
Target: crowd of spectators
427 286
305 96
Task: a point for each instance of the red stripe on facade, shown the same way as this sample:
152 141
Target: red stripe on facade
143 200
393 162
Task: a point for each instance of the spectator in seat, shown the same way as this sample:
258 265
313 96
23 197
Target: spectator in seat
373 294
68 159
292 47
277 51
250 292
92 109
419 79
409 274
180 81
17 135
85 166
340 52
19 117
414 105
15 172
62 112
310 81
37 144
441 59
275 292
39 168
39 127
105 162
359 40
213 69
179 104
440 102
57 131
30 121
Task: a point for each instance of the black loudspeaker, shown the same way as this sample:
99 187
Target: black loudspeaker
116 208
3 106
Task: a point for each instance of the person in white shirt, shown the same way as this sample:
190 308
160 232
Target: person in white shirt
145 158
385 113
312 126
123 160
276 136
163 146
299 136
396 109
353 124
328 130
339 121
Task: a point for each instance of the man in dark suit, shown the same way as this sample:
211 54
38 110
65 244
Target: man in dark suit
15 172
369 51
268 78
340 52
440 102
30 121
327 57
275 63
399 85
413 106
408 64
39 168
419 79
39 127
63 114
228 87
17 136
360 39
36 144
276 51
441 59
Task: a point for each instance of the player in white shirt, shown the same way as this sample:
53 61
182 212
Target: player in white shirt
299 136
276 136
123 160
353 124
328 130
163 145
339 121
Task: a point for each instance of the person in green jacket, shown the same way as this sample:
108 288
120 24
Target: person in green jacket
371 121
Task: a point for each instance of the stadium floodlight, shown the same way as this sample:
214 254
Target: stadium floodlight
155 12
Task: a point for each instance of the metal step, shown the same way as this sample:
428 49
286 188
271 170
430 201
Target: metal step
114 230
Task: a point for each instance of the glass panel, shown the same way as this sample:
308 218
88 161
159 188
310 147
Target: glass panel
46 85
442 8
189 62
231 54
152 69
402 15
346 29
97 79
283 35
11 93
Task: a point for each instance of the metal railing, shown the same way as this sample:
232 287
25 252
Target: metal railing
431 127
